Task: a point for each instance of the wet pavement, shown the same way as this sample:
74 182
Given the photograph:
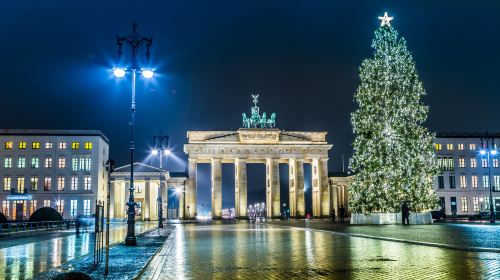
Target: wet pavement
28 256
260 251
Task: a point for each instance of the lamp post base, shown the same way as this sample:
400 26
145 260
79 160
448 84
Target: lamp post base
130 241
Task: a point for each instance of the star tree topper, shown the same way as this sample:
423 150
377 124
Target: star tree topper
386 20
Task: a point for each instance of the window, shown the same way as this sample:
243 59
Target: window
86 207
460 147
472 147
32 206
138 189
74 164
495 162
48 145
82 163
88 145
463 201
62 145
87 183
61 162
74 183
20 185
60 183
452 182
496 182
438 147
60 206
9 145
34 183
474 181
34 162
5 208
87 164
486 181
47 184
475 203
21 162
486 203
6 183
441 182
48 162
7 162
461 162
463 181
46 203
484 162
473 162
446 163
449 147
75 145
73 207
22 145
35 145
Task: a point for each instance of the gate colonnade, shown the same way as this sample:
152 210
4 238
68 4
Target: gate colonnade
260 145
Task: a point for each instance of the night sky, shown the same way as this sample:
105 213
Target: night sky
302 58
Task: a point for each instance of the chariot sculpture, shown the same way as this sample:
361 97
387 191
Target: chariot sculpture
256 120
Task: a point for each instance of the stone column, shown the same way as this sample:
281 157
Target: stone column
335 203
216 172
146 207
190 191
127 196
164 196
316 191
181 208
240 189
272 189
112 197
324 188
299 190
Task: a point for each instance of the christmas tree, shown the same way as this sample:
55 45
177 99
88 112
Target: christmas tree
393 153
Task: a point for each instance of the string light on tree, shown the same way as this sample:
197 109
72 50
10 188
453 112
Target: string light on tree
385 20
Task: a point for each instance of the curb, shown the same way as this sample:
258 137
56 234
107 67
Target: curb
429 244
145 267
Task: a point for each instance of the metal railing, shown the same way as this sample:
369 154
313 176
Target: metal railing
24 226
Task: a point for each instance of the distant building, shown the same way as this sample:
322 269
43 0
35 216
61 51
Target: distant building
63 169
339 183
462 185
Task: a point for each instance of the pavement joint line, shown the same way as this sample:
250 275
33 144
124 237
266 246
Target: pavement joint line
141 272
413 242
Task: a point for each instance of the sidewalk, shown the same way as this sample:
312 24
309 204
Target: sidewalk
469 237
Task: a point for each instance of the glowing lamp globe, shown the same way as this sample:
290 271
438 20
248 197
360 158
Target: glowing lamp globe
154 152
148 73
482 152
493 152
119 72
167 152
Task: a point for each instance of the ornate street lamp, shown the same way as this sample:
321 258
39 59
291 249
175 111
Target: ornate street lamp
489 149
134 41
160 146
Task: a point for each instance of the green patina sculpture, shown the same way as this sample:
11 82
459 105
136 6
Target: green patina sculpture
256 120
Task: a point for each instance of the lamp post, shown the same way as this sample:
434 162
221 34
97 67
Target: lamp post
489 149
134 41
160 145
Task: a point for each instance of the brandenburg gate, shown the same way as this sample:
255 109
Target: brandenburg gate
260 142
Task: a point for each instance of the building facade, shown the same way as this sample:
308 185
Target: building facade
463 182
63 169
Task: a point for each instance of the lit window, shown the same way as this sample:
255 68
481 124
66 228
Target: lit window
474 181
5 208
73 207
9 145
62 145
61 162
88 163
48 162
34 183
87 183
472 147
32 206
75 145
486 203
74 164
34 162
60 206
48 145
7 162
463 181
486 181
460 147
484 162
82 163
60 183
461 162
47 184
496 182
20 185
46 203
74 183
465 208
475 203
22 145
449 147
473 162
495 162
86 207
438 147
21 162
88 145
35 145
6 183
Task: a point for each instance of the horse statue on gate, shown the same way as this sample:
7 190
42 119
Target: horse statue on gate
256 120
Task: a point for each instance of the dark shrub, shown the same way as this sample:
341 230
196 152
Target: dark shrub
3 219
45 214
